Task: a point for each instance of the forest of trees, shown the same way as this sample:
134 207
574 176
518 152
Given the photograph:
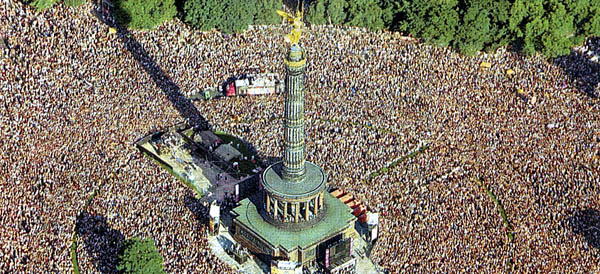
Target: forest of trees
551 27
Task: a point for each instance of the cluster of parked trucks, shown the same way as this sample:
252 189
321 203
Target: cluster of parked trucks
242 85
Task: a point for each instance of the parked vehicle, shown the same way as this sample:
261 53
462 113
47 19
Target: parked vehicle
245 84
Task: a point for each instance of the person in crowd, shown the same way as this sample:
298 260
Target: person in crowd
74 99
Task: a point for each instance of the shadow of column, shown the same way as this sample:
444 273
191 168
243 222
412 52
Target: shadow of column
583 72
101 242
199 209
587 223
182 104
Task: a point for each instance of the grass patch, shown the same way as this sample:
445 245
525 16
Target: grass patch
367 126
393 164
75 238
275 118
228 138
74 3
245 166
507 226
74 260
88 202
396 162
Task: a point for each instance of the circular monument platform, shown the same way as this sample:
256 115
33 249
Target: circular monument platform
293 203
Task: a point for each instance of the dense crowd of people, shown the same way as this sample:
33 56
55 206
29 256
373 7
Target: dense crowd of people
76 97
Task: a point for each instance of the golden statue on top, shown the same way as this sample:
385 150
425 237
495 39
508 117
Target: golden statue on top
296 21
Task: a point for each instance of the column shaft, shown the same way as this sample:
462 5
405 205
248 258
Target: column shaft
268 203
297 206
294 145
321 199
306 210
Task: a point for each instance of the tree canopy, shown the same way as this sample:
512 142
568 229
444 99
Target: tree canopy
230 15
550 27
265 12
203 14
144 14
322 12
434 21
365 13
475 29
238 15
140 256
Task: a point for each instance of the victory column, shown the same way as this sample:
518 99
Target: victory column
294 219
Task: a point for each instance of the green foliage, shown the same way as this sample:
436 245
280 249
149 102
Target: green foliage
560 34
42 4
586 16
144 14
74 261
327 12
266 12
365 13
74 3
483 26
434 21
238 15
591 22
336 11
499 16
390 11
474 31
230 15
545 26
316 13
140 256
551 27
528 23
204 14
